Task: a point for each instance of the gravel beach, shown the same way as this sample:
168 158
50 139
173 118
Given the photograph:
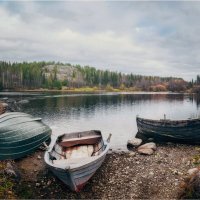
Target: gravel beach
123 175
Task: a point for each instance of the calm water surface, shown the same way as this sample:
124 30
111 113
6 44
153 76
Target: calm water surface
110 112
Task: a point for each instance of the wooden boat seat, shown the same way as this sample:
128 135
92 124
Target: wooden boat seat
69 142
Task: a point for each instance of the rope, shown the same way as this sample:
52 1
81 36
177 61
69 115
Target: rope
98 149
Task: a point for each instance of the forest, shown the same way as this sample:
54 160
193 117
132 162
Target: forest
52 75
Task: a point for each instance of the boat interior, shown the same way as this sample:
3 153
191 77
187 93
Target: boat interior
70 149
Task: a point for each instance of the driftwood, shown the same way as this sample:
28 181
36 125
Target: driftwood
190 188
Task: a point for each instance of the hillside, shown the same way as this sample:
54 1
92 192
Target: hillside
53 75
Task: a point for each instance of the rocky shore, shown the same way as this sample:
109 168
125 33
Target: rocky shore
127 175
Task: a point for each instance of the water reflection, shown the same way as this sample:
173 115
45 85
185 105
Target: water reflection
110 113
195 99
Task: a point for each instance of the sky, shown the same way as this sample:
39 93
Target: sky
159 38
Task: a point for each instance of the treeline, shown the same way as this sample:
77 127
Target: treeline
25 75
51 75
194 85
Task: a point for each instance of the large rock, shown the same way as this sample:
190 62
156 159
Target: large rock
150 145
147 148
12 171
135 142
146 151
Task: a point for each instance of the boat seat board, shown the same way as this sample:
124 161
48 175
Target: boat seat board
89 140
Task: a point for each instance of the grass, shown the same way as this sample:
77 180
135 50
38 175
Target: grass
83 90
24 191
6 184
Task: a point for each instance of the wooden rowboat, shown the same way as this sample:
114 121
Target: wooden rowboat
75 157
21 134
181 131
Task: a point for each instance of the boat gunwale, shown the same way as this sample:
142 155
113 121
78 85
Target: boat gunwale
168 120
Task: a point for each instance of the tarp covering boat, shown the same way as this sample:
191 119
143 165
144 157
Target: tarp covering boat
21 134
75 157
181 131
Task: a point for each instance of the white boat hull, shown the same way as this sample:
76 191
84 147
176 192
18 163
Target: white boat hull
76 175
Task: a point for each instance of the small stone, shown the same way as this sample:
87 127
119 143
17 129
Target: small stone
134 142
132 154
176 172
12 171
37 184
188 163
23 101
151 173
5 98
49 182
39 157
192 171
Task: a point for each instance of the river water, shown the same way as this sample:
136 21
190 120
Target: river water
109 112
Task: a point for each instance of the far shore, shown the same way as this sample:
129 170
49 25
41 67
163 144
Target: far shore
90 90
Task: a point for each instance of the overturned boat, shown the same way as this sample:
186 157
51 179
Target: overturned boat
75 157
21 134
181 131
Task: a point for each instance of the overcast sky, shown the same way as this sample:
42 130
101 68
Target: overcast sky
148 38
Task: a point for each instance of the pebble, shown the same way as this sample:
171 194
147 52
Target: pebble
39 157
37 184
49 182
132 154
151 173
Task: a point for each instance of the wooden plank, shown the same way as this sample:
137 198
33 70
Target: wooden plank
80 141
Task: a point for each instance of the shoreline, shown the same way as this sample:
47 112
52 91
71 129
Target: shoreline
126 175
93 90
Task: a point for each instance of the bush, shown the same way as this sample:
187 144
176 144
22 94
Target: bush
109 88
158 88
57 84
196 89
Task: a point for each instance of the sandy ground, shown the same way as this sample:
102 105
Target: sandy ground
123 175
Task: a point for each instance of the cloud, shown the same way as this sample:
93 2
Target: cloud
150 38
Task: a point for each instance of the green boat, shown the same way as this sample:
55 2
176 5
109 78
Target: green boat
21 134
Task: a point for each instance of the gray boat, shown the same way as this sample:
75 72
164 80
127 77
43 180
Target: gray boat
163 130
75 157
21 134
